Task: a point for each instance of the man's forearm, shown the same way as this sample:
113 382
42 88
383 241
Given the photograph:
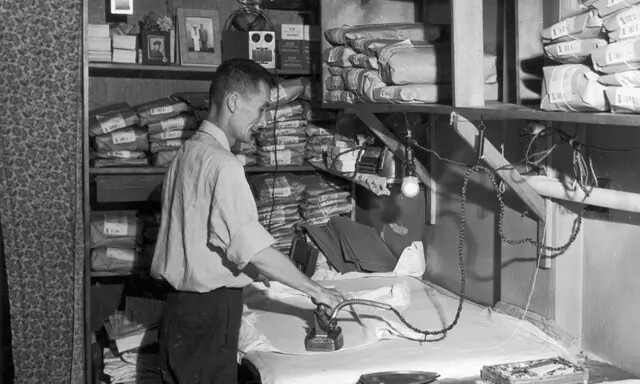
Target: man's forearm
276 266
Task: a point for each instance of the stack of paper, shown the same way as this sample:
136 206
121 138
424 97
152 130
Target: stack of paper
98 42
136 326
124 48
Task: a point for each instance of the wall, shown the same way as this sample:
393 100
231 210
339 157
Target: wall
611 263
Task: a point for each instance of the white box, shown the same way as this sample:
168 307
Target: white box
98 30
292 32
124 56
124 42
98 44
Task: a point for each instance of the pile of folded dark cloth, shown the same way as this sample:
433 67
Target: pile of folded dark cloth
278 199
349 246
324 197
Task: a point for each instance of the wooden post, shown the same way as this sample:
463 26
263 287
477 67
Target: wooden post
467 52
494 159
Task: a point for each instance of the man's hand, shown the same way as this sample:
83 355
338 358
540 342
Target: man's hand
329 296
263 279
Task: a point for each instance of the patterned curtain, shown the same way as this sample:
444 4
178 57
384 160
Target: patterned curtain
41 186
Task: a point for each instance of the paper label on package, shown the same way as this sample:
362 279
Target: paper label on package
560 29
626 98
111 124
628 17
291 124
121 254
353 77
568 48
119 154
276 147
124 136
334 54
285 131
171 124
279 187
387 92
278 93
115 225
161 110
288 139
630 30
623 80
619 53
170 135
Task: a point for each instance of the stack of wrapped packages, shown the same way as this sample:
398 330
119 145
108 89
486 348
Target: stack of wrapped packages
324 197
116 137
282 139
599 52
116 243
394 62
169 125
278 197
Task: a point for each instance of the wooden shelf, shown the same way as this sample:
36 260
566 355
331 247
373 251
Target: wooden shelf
161 170
495 111
167 71
362 179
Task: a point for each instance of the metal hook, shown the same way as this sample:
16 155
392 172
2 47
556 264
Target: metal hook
480 146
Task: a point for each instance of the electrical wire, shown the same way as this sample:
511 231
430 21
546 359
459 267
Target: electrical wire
275 156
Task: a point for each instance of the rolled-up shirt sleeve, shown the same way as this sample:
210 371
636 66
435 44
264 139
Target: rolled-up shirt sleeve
233 219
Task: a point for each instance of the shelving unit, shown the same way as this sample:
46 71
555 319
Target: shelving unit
162 171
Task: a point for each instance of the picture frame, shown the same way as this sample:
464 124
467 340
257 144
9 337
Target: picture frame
199 37
156 47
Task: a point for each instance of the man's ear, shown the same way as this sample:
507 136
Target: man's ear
232 102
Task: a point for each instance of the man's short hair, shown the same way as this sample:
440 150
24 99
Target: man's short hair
157 43
244 76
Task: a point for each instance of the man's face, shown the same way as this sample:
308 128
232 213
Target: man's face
250 113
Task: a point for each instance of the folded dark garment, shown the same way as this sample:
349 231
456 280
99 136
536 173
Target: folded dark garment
110 118
329 244
160 109
128 139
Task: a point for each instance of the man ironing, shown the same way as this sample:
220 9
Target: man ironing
210 240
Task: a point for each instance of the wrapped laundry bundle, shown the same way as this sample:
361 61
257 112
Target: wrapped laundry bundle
363 82
110 118
163 158
118 260
572 87
334 83
375 46
178 134
628 79
118 229
608 7
335 71
127 139
176 123
575 51
270 135
120 155
166 145
584 26
294 123
406 63
267 186
327 209
360 60
317 185
280 157
296 110
283 140
240 148
105 163
160 109
247 159
623 25
623 100
400 31
340 97
617 57
289 90
423 93
338 56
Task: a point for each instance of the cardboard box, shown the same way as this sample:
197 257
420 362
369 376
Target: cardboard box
291 32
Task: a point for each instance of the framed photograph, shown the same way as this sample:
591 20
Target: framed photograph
156 48
199 37
122 7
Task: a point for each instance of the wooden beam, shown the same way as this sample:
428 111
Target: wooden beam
554 188
467 52
494 159
529 50
394 144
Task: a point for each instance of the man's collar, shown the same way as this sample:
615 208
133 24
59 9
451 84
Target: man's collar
208 127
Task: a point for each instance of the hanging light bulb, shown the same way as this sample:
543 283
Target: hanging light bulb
410 183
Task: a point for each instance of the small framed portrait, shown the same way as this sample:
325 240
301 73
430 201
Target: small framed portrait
156 48
199 37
